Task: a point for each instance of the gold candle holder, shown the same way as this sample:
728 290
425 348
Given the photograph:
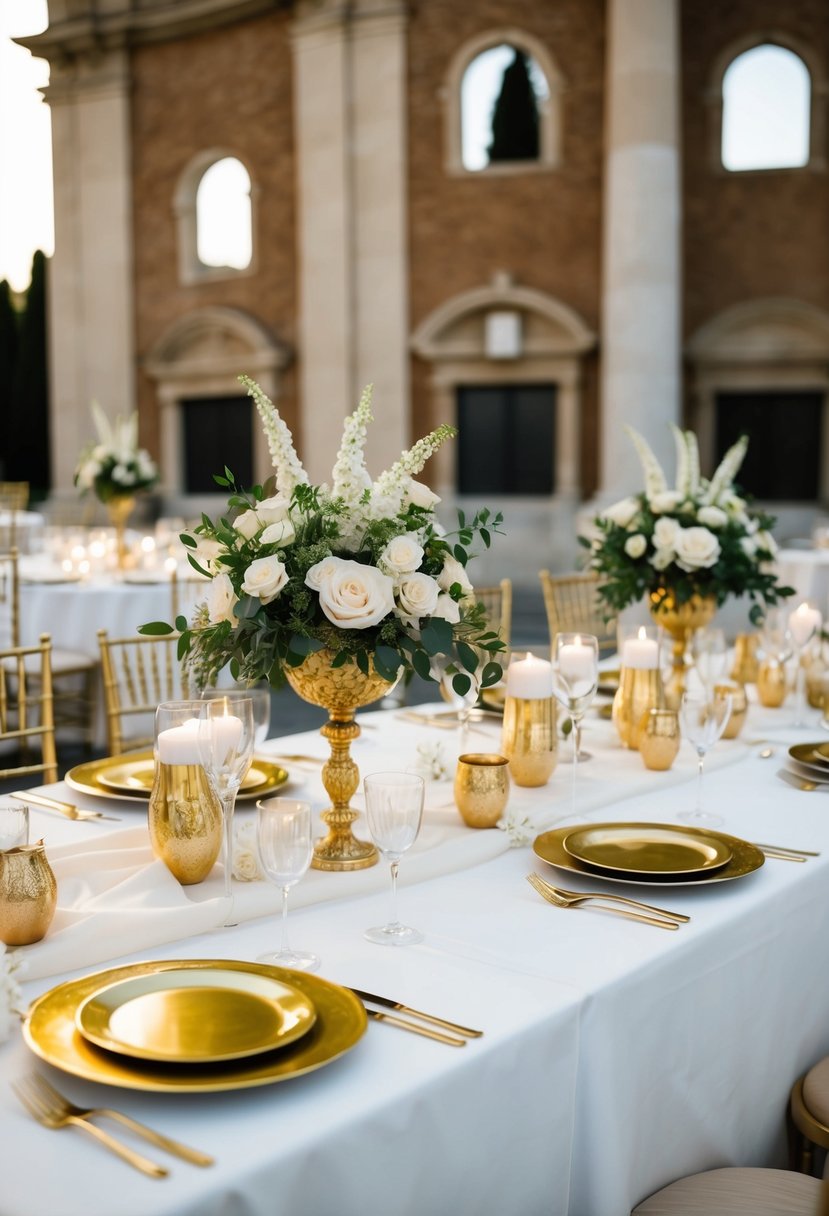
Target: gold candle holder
659 738
739 706
28 894
746 663
772 684
481 788
640 690
528 739
185 821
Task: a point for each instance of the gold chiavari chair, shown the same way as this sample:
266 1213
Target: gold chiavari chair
185 589
497 602
138 673
74 675
573 606
809 1117
26 708
14 497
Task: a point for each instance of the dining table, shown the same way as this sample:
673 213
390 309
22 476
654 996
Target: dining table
615 1057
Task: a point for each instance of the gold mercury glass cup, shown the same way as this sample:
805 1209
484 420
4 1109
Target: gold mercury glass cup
184 813
772 683
640 685
659 738
28 894
746 664
528 736
739 706
481 788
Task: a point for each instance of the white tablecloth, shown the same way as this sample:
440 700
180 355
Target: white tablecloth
807 570
616 1056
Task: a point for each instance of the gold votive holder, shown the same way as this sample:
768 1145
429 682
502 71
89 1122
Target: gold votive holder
746 663
739 706
640 690
28 894
481 788
529 740
772 684
659 738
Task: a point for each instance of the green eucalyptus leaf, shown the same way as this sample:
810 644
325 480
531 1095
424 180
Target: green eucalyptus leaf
467 656
156 629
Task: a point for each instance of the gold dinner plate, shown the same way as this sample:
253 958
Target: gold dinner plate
50 1031
745 858
195 1016
608 683
129 777
495 697
649 852
809 755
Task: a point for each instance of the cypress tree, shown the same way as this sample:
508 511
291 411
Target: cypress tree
8 359
30 389
515 115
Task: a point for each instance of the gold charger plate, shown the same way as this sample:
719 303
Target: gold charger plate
745 858
50 1031
195 1016
651 852
608 683
809 755
129 778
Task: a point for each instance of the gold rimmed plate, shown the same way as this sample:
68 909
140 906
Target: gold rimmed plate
195 1016
129 777
745 857
811 756
652 851
52 1034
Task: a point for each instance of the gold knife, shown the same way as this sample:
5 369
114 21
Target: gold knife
63 808
402 1024
399 1007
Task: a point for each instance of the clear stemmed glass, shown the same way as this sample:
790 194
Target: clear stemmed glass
575 677
461 703
803 623
710 655
226 736
260 698
14 825
283 836
702 720
394 809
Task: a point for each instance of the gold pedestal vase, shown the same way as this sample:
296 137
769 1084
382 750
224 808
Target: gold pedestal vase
341 691
119 510
680 621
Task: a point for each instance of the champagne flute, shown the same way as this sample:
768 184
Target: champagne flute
283 836
702 720
575 678
226 750
260 697
710 654
394 809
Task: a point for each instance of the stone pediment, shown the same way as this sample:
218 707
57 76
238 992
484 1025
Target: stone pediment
214 341
763 331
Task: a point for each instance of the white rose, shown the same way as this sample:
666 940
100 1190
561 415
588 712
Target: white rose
420 495
447 608
766 542
662 558
668 500
665 533
696 549
247 524
352 596
622 512
453 572
245 861
635 545
282 532
712 517
265 578
121 474
221 599
417 596
271 510
401 555
748 544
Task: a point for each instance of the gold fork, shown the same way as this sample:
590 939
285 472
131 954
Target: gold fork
574 899
45 1114
63 808
63 1106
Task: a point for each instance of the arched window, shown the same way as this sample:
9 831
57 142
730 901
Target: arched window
766 102
223 216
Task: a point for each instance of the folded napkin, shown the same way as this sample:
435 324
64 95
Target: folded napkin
115 898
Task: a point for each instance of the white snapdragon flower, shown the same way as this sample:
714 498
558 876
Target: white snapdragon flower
265 578
221 599
352 596
668 500
402 555
280 533
453 572
417 597
665 533
712 517
622 512
696 549
635 545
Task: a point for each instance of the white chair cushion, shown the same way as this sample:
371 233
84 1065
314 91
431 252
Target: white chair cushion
738 1191
816 1091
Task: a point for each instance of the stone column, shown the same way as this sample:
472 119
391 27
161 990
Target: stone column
350 116
640 340
90 277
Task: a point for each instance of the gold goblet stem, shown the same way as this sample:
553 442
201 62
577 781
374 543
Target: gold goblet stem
340 849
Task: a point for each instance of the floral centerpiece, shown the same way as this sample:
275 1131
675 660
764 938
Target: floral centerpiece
697 541
115 466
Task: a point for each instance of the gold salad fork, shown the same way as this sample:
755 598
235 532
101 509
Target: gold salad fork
619 904
50 1117
63 1106
68 809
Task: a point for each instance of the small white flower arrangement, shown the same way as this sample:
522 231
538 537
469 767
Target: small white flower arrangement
699 538
361 568
115 466
11 998
246 866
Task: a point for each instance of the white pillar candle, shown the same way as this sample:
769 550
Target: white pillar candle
179 744
804 622
640 652
225 735
530 679
577 663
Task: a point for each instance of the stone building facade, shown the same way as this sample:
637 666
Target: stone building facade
634 278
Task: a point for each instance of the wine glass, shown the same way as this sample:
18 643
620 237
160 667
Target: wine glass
14 825
260 697
225 749
702 720
710 655
804 623
462 703
394 809
283 836
575 678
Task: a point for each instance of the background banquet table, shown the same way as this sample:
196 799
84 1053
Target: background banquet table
807 570
616 1057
